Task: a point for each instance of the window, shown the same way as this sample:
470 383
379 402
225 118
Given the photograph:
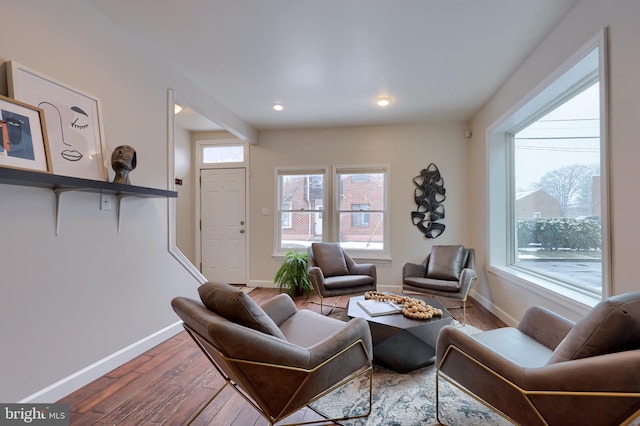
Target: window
357 219
361 218
557 173
286 214
222 154
301 196
552 194
361 208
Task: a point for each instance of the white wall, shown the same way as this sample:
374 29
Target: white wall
69 301
576 29
408 149
185 215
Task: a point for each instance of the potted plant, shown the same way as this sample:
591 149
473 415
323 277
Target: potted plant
292 275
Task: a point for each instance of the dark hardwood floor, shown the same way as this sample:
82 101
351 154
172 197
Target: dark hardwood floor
168 383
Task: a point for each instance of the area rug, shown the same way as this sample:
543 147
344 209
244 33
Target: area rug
406 400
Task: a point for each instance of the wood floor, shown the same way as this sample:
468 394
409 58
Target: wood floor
168 383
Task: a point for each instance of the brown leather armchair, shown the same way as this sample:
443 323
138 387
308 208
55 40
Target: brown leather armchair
548 371
333 272
278 358
448 271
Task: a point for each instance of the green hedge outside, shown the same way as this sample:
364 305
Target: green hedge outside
559 233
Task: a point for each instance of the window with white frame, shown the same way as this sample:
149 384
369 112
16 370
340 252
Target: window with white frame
221 153
361 208
212 154
301 197
552 194
357 219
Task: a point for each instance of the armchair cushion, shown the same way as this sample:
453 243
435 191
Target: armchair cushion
612 326
330 259
234 305
445 262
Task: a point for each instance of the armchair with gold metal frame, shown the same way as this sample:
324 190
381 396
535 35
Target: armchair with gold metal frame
278 358
548 371
333 272
448 271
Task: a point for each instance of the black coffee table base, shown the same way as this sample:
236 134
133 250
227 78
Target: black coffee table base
399 343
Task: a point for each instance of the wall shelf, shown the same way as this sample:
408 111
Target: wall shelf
61 184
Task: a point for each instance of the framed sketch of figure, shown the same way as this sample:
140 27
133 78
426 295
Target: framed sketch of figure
73 121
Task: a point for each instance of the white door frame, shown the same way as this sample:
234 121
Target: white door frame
200 165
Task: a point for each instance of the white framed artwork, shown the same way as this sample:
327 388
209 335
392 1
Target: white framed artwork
73 121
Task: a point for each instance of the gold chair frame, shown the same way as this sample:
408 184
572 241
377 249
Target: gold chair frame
288 410
464 301
525 393
316 290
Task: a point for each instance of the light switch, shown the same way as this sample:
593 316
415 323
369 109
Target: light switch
265 211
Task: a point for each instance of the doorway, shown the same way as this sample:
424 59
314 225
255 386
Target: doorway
223 224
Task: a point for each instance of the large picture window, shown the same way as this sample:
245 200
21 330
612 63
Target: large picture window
552 194
557 220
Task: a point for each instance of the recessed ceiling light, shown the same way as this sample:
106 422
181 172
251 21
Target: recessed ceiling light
277 107
383 101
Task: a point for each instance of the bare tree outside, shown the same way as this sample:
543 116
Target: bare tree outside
570 185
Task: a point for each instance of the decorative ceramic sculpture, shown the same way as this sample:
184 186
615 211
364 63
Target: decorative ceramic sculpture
123 160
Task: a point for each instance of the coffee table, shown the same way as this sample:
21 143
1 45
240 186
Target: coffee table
400 343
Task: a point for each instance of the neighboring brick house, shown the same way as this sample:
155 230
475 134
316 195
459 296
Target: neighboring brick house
536 204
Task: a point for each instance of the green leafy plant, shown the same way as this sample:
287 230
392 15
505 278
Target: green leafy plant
292 276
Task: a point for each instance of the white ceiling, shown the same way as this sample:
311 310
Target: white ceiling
326 60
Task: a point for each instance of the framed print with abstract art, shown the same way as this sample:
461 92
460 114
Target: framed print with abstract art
73 122
23 136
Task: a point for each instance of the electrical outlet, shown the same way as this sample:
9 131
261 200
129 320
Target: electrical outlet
105 202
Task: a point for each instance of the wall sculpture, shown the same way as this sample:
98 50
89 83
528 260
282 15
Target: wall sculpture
429 196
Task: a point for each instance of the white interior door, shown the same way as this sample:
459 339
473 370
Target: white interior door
223 231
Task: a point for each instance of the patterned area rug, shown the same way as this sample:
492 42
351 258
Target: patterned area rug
406 400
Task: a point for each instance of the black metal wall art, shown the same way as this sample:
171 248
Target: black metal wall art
429 195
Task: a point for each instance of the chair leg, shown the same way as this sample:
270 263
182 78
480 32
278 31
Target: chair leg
464 307
205 405
334 306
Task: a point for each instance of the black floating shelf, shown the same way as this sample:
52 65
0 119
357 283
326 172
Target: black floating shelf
11 176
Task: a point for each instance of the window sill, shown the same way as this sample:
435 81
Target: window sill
546 288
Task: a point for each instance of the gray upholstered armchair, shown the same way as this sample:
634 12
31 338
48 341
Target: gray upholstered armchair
334 273
448 271
548 371
278 358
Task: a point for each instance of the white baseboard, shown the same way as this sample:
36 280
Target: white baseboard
491 307
395 289
262 284
69 384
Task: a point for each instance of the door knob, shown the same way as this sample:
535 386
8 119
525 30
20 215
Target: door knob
242 222
242 231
